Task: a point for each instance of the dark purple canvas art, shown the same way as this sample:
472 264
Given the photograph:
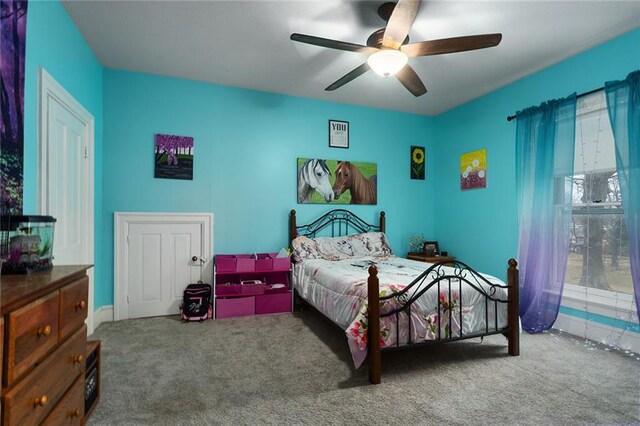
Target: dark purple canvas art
13 23
174 157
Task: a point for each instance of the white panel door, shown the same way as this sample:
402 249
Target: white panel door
66 195
65 171
160 266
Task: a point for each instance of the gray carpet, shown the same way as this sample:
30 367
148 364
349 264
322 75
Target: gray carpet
296 369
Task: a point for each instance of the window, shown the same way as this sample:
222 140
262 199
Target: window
598 251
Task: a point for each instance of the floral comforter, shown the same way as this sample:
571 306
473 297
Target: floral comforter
339 290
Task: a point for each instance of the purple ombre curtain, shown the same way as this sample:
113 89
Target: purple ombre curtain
544 174
623 104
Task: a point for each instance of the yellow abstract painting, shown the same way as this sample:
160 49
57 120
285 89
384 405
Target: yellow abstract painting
473 169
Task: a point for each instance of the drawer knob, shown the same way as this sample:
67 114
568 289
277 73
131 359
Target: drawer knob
44 331
40 401
75 413
81 305
78 359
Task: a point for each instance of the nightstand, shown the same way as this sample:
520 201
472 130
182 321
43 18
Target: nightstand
421 257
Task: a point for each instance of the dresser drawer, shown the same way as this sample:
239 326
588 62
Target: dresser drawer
31 332
70 410
35 396
73 306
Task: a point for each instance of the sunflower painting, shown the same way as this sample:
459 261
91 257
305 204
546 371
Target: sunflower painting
417 162
473 169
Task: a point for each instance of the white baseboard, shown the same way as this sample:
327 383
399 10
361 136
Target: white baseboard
580 327
102 314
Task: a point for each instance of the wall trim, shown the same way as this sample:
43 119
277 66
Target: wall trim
621 323
101 315
122 220
598 332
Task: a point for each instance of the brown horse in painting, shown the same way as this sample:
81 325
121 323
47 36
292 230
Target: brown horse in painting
348 177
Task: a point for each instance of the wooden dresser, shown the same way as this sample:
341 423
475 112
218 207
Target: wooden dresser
43 344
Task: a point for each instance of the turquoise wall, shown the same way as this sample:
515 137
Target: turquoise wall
55 44
246 146
480 226
247 142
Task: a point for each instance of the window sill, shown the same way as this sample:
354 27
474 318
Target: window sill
615 305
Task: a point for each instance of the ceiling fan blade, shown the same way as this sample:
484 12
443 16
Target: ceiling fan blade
400 23
349 76
333 44
450 45
409 79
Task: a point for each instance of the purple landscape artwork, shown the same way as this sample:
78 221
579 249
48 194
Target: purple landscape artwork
174 157
13 22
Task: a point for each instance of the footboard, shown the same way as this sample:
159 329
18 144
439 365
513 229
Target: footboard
448 309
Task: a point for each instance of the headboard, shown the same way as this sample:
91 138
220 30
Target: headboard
340 221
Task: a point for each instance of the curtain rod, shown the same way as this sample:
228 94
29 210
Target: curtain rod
512 117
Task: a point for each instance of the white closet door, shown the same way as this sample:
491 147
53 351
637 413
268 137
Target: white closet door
159 266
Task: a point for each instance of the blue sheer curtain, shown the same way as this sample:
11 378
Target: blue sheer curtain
623 104
544 173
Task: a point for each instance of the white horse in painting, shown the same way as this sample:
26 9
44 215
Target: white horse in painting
314 175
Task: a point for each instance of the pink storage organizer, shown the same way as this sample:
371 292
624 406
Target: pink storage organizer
234 299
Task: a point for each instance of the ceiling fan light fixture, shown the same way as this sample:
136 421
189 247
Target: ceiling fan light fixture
387 62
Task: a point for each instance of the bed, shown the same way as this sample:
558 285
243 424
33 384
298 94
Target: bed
345 269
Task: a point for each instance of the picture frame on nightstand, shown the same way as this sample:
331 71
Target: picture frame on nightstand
431 248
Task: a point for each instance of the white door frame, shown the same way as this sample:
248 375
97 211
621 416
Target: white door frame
50 89
122 222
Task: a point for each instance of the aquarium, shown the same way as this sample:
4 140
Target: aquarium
26 243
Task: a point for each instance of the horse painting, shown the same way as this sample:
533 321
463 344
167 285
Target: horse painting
349 177
314 175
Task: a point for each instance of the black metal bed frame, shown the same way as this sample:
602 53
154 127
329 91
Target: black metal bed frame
434 275
339 220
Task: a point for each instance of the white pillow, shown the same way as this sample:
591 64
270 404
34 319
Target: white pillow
335 248
304 248
370 244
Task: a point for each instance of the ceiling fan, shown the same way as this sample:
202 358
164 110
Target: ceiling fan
389 49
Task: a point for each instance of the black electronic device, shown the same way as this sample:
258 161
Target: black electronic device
92 378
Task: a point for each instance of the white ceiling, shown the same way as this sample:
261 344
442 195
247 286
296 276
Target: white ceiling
246 43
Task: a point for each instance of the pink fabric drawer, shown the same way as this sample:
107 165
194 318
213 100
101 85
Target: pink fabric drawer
228 289
245 263
264 262
225 263
235 307
273 303
281 263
